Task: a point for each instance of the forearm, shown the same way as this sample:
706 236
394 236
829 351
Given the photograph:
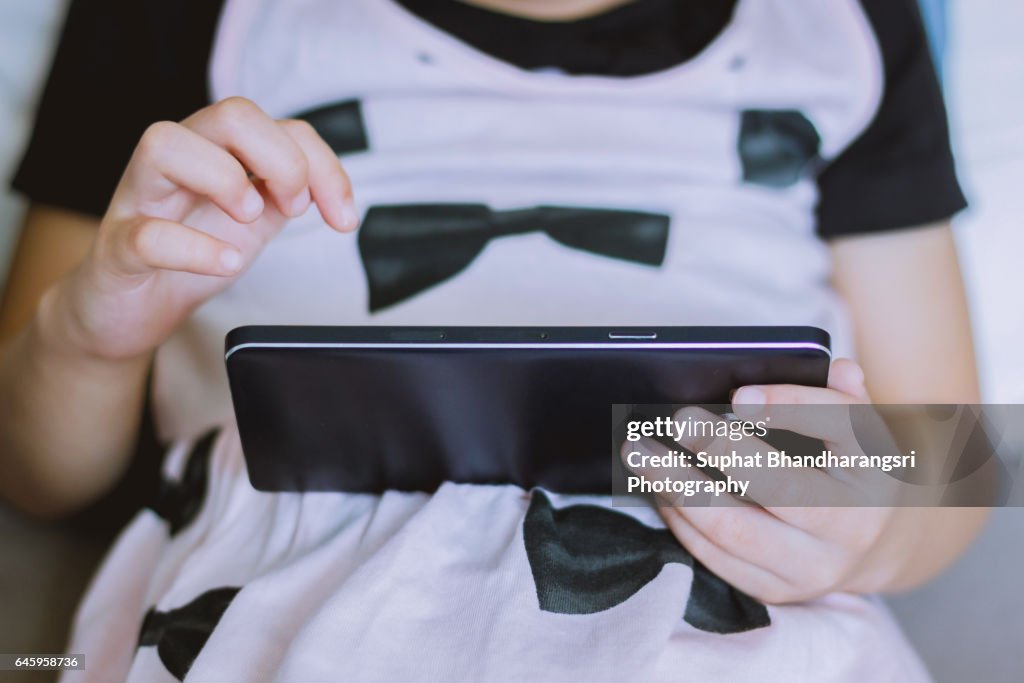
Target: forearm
70 418
907 299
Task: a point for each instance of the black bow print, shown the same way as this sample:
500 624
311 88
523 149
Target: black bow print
180 502
340 124
777 148
180 634
408 248
587 559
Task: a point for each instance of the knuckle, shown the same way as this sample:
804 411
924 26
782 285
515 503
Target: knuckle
198 251
235 108
296 165
157 137
294 171
141 238
789 397
231 185
299 127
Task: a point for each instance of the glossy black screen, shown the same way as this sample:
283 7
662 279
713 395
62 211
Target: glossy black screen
369 420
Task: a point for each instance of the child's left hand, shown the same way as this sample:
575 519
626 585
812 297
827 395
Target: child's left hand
791 554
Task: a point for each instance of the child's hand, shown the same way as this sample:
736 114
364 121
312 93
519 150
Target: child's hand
196 205
789 554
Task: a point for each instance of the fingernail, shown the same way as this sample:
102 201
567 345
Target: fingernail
748 401
349 214
300 203
231 260
252 205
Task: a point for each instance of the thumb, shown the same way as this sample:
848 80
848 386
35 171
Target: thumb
848 377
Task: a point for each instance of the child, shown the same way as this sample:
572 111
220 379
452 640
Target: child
798 149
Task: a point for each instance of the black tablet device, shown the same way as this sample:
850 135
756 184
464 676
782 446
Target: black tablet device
369 409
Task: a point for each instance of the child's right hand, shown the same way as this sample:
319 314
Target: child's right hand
194 208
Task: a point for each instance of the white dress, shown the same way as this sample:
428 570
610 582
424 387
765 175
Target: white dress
466 584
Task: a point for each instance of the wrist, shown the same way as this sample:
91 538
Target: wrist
59 330
919 542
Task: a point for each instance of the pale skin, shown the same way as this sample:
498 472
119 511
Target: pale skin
87 303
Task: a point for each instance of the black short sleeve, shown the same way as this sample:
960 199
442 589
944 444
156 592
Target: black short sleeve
900 172
120 66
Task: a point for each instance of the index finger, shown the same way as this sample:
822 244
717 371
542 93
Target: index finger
248 133
328 183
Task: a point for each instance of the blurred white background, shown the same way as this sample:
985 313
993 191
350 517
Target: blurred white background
968 624
985 86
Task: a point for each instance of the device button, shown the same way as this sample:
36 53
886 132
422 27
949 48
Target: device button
418 335
632 335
